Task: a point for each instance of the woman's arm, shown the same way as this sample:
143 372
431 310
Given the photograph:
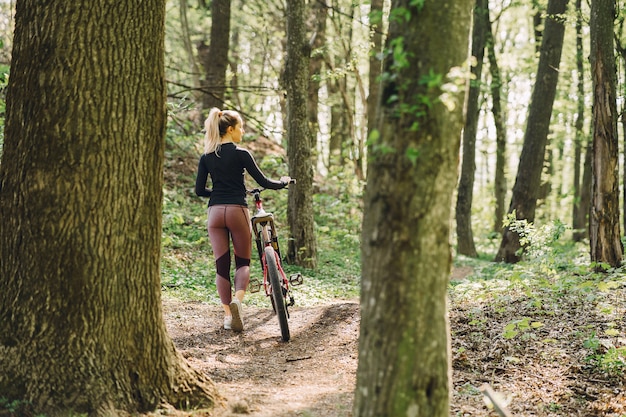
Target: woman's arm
253 169
201 178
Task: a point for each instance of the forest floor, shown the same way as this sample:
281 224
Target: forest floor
546 373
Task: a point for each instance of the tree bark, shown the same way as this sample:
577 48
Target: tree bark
319 14
604 223
215 58
375 63
406 255
193 65
302 245
579 215
465 235
500 125
81 326
528 180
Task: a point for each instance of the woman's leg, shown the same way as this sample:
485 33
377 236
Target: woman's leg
238 222
218 234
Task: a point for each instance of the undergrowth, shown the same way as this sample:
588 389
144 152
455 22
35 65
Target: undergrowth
554 286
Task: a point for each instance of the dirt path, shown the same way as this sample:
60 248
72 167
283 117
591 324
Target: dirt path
542 373
312 375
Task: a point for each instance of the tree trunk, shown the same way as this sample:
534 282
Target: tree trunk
403 346
193 66
527 182
340 123
375 63
343 125
585 189
579 215
604 222
81 326
319 14
215 58
498 117
302 246
465 235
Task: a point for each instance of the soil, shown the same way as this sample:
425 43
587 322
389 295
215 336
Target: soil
260 375
314 374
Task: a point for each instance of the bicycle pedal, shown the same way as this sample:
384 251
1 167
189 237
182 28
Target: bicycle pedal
296 279
254 285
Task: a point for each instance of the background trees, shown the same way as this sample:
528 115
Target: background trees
527 189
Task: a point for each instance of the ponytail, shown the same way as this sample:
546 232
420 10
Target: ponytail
216 126
211 131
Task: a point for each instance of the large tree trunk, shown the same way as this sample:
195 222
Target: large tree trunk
81 326
302 246
403 346
214 58
579 215
464 233
527 182
604 225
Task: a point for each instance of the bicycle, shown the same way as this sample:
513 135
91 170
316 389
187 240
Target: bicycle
275 281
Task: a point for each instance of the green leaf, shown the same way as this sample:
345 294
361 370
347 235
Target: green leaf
510 334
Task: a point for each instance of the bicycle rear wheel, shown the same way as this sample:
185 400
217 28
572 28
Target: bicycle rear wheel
277 292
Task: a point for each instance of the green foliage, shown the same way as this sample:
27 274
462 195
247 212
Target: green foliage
19 408
537 243
611 359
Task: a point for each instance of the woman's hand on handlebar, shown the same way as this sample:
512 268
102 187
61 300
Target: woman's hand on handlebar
287 180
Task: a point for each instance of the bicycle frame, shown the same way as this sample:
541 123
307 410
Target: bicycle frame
275 282
264 230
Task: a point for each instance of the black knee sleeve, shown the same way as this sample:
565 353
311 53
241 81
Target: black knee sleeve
239 262
222 265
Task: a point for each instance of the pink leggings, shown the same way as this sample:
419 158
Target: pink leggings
234 221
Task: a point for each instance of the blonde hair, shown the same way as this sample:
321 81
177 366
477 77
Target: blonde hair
216 126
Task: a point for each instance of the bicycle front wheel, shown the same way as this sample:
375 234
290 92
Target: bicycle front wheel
278 299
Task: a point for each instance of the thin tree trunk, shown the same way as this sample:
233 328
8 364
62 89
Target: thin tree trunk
524 198
319 14
302 245
604 224
193 66
579 217
215 58
465 235
81 325
498 117
403 345
375 63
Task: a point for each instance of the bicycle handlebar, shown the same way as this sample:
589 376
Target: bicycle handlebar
258 190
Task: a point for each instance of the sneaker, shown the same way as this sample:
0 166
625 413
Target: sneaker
228 321
236 309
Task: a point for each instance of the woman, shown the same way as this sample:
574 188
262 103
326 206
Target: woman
228 212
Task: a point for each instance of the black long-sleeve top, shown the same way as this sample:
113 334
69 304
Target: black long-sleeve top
226 168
